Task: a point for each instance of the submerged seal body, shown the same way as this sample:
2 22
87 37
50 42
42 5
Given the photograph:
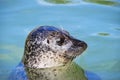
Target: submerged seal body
48 55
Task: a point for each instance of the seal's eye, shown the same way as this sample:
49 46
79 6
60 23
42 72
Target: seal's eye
61 41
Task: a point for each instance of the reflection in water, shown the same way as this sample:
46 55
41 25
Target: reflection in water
59 1
105 2
68 72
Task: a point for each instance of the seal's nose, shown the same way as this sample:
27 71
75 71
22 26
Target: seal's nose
79 43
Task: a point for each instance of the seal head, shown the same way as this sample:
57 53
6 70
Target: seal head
48 46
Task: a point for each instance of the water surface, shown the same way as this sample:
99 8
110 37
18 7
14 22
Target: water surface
96 23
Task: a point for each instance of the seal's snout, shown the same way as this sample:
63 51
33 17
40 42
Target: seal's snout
82 44
79 43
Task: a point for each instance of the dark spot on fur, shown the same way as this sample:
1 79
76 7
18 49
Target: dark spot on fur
51 57
32 54
55 74
54 51
43 51
35 61
44 64
54 69
47 56
48 41
60 55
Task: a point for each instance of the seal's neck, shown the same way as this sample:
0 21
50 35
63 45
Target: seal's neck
50 72
68 72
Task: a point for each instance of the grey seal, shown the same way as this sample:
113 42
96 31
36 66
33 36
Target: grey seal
49 54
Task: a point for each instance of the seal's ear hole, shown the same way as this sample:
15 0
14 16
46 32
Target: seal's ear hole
61 41
48 41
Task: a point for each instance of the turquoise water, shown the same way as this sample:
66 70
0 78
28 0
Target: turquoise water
96 24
